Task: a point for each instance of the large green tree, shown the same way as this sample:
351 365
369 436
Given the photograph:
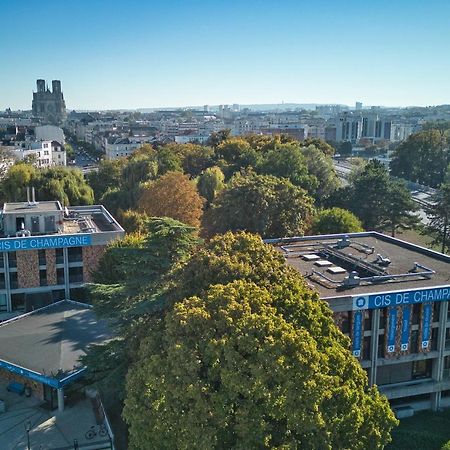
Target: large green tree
263 204
335 220
439 214
379 201
251 359
422 158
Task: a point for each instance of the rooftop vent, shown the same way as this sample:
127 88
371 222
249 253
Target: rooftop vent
382 261
344 242
352 279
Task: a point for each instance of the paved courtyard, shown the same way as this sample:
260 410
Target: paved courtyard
49 429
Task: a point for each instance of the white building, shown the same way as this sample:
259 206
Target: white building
121 147
46 153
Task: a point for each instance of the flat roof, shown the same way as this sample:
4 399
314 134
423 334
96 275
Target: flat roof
51 340
383 263
25 207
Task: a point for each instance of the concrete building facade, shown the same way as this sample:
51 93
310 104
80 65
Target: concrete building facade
48 252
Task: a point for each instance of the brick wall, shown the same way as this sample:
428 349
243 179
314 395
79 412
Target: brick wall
27 268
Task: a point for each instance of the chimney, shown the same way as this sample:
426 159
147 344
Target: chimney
33 195
28 195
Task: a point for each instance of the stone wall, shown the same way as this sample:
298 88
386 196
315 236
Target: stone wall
50 257
27 268
91 258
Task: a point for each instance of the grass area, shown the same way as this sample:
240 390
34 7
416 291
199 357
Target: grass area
424 431
415 237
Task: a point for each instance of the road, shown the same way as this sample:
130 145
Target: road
83 160
422 195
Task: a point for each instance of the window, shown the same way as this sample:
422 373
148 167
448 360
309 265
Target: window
45 146
436 310
43 277
59 256
366 347
383 313
75 254
416 314
381 340
42 258
2 281
60 276
414 341
12 259
18 302
434 339
421 369
49 223
368 319
2 302
13 280
75 275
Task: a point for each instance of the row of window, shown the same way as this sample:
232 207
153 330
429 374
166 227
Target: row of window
75 276
75 254
346 317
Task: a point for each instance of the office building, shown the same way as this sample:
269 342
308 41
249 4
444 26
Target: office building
391 298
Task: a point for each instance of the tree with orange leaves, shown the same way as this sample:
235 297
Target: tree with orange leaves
173 195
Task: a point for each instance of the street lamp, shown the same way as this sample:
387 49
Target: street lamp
28 429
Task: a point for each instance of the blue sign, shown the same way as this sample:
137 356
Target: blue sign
401 298
404 340
32 375
392 330
357 333
41 242
427 314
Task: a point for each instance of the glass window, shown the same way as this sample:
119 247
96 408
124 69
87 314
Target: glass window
42 258
368 319
366 347
434 338
59 256
414 341
421 369
75 254
43 277
18 302
75 275
13 283
381 346
416 314
436 309
12 259
2 302
60 276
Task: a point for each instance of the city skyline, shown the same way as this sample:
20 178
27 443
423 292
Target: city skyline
174 54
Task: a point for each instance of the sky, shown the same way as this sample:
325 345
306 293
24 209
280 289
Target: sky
112 54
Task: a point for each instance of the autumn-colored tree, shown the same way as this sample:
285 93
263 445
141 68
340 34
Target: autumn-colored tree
173 195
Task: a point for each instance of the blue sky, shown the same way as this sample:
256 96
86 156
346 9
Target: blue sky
136 53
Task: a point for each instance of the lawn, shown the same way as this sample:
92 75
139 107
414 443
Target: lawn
424 431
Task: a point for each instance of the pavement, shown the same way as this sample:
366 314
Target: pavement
49 429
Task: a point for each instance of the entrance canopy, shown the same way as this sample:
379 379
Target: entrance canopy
46 344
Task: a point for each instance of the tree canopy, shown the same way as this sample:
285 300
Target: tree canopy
263 204
244 362
422 158
335 220
172 195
